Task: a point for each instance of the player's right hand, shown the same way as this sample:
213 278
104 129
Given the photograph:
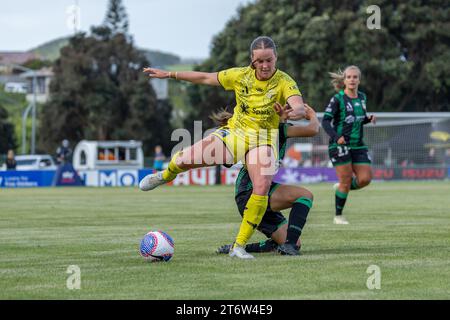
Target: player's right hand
310 113
341 140
156 73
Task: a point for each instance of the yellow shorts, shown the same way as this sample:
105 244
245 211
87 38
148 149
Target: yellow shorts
239 142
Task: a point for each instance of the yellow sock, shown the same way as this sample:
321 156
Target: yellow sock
253 214
172 170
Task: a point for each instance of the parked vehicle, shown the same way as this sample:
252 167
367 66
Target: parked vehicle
16 87
34 162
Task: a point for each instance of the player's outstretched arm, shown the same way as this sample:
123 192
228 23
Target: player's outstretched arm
208 78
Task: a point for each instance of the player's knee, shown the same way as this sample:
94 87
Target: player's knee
261 187
364 181
345 184
308 194
303 193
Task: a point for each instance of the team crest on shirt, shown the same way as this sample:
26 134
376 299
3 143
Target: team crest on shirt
349 106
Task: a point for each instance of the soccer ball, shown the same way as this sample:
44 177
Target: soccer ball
157 246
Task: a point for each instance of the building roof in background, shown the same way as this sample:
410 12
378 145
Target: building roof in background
16 57
44 72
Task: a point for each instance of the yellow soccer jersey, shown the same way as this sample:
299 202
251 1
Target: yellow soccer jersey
255 98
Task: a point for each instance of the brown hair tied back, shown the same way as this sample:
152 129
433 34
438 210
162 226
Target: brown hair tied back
221 117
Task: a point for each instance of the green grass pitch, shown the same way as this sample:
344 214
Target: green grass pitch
401 227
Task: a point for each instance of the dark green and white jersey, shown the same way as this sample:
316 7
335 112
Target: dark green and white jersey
243 181
345 116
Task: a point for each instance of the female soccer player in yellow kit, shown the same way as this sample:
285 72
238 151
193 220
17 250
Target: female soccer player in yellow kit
251 134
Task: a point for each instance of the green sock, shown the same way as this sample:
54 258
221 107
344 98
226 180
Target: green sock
341 198
354 185
297 219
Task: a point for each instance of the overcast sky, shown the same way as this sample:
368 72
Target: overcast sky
182 27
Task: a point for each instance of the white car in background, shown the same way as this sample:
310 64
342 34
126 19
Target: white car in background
16 87
34 162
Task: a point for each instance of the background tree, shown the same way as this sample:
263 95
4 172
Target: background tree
7 136
405 63
99 91
116 18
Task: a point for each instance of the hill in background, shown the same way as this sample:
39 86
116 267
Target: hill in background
50 51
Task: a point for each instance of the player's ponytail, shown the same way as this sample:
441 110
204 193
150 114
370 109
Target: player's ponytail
221 117
337 78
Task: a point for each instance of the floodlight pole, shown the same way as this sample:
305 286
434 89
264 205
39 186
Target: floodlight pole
33 116
24 128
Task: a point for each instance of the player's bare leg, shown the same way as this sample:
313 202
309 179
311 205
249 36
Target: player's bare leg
344 173
206 152
260 163
363 176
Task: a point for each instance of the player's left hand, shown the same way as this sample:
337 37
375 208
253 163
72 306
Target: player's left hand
282 111
373 119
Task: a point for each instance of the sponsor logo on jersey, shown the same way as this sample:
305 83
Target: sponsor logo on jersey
263 112
349 106
349 119
360 118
